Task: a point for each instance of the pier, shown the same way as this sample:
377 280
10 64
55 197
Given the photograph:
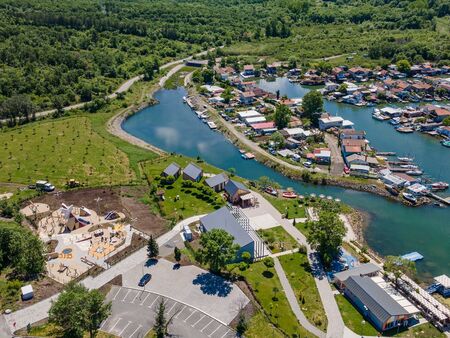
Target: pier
443 200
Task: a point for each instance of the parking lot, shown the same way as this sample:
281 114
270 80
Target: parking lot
133 313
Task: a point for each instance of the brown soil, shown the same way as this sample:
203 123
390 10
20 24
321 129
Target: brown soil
42 289
122 199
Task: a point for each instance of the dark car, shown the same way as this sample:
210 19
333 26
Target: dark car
145 279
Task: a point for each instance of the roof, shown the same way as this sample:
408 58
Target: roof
233 186
172 169
361 167
249 67
363 269
248 113
26 289
192 171
444 280
263 125
331 119
353 149
353 132
255 119
248 94
441 112
374 298
223 219
216 180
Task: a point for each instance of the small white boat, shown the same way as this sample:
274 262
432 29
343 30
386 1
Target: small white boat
439 186
211 125
405 159
414 172
409 197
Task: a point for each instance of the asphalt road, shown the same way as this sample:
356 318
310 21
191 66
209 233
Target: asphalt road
133 313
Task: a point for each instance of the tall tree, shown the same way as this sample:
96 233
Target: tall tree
160 326
152 248
326 236
312 105
217 249
97 311
177 254
398 266
282 116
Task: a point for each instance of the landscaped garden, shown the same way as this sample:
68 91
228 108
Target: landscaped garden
182 198
290 208
277 239
267 289
298 272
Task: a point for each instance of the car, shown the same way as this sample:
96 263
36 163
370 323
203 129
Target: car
145 279
307 164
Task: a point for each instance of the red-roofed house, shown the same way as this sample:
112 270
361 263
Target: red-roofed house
264 127
440 114
249 70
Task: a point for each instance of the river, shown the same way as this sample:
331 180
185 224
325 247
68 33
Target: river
394 229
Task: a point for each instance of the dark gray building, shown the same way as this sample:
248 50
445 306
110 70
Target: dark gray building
192 173
172 170
217 182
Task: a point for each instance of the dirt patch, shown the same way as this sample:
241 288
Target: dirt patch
42 289
105 288
121 199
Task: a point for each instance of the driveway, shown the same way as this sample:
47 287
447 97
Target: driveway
191 285
133 313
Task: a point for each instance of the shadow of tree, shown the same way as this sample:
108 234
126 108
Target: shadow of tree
212 284
151 262
267 274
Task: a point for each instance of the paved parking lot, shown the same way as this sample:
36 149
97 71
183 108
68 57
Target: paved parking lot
133 313
191 285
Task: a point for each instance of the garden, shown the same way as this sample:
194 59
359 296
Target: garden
277 239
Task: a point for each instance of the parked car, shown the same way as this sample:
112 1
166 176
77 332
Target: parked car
145 279
307 164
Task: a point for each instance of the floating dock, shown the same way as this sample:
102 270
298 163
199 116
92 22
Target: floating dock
438 198
212 125
413 256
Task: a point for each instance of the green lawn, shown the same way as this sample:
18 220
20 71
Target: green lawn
292 206
258 324
262 282
298 272
277 239
59 150
177 79
191 200
353 319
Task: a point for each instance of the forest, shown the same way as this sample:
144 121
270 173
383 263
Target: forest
53 53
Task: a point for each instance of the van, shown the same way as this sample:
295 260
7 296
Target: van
44 186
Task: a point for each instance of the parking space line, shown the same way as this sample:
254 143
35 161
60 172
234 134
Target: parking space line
218 327
195 311
118 290
104 322
123 300
148 294
153 302
204 327
184 306
134 332
137 294
198 321
172 307
118 320
225 333
128 324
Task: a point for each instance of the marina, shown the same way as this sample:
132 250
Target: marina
172 126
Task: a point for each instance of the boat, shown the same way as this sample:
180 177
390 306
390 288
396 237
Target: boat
211 125
392 189
405 130
446 143
289 194
439 186
414 172
409 197
184 99
409 166
395 121
271 191
405 159
248 156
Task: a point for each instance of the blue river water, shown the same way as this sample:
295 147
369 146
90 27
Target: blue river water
393 229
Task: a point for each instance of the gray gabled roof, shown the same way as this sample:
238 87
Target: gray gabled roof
374 298
172 169
223 219
216 180
362 270
232 186
192 171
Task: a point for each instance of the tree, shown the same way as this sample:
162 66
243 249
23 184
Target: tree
242 325
177 254
77 310
278 140
403 66
268 262
312 106
343 88
282 116
217 249
326 236
446 121
292 62
152 248
227 95
265 182
398 266
246 257
160 326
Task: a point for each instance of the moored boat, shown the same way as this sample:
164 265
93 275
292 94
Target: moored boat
289 194
405 130
405 159
439 186
271 191
409 197
414 172
446 143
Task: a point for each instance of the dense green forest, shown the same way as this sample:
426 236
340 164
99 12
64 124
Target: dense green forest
58 52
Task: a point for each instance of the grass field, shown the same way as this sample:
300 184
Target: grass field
51 330
353 319
181 202
291 206
59 150
277 239
263 281
258 324
297 270
177 79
